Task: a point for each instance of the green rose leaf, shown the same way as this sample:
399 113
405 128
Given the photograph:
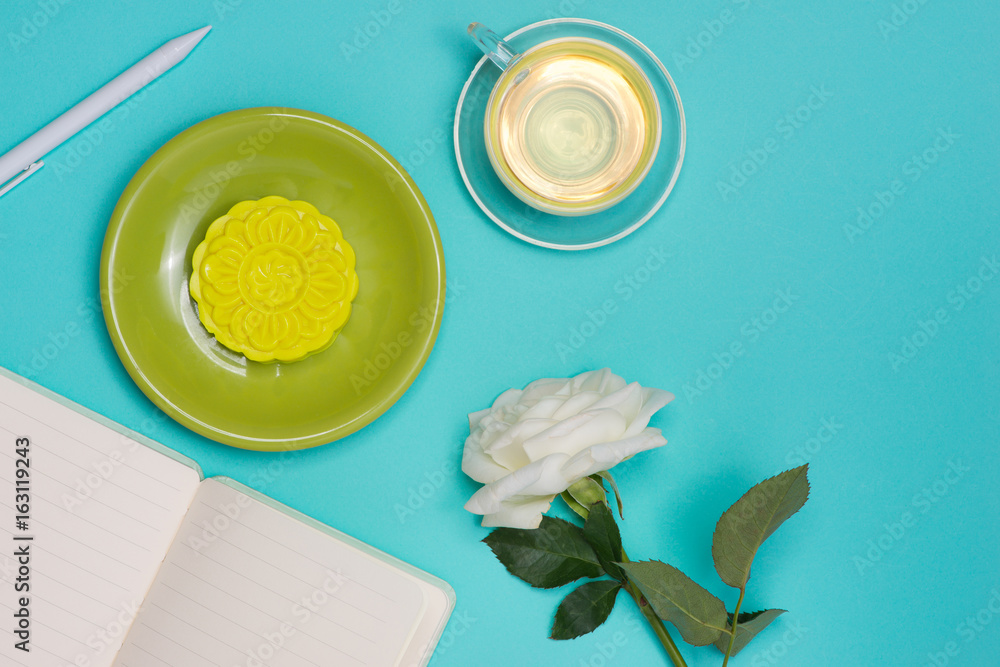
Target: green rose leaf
602 533
606 475
552 555
699 616
584 609
752 519
746 629
587 492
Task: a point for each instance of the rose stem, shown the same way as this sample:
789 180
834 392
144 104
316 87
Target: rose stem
736 616
655 623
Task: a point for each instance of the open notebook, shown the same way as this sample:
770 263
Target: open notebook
135 560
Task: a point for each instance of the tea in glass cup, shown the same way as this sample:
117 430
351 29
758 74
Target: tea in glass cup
572 126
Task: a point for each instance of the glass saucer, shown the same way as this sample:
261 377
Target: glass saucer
546 229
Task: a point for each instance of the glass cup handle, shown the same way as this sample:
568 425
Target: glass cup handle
498 50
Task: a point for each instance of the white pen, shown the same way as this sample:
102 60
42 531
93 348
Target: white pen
25 158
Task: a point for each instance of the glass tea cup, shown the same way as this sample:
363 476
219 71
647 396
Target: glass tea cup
572 125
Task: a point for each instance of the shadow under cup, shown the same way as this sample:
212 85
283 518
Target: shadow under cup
572 126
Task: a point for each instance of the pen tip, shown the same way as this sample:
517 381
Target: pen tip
185 43
200 33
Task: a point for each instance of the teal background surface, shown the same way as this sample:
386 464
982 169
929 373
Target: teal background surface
868 344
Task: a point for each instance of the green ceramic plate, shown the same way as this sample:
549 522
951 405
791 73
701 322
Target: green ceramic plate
165 212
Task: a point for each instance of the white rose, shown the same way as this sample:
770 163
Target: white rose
534 443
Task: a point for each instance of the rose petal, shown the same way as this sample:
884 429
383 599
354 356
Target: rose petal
479 465
509 397
653 401
476 417
576 434
544 408
540 478
603 381
526 513
609 454
626 401
508 447
495 424
544 388
576 404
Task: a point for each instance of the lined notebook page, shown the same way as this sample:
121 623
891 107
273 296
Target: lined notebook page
245 584
103 511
